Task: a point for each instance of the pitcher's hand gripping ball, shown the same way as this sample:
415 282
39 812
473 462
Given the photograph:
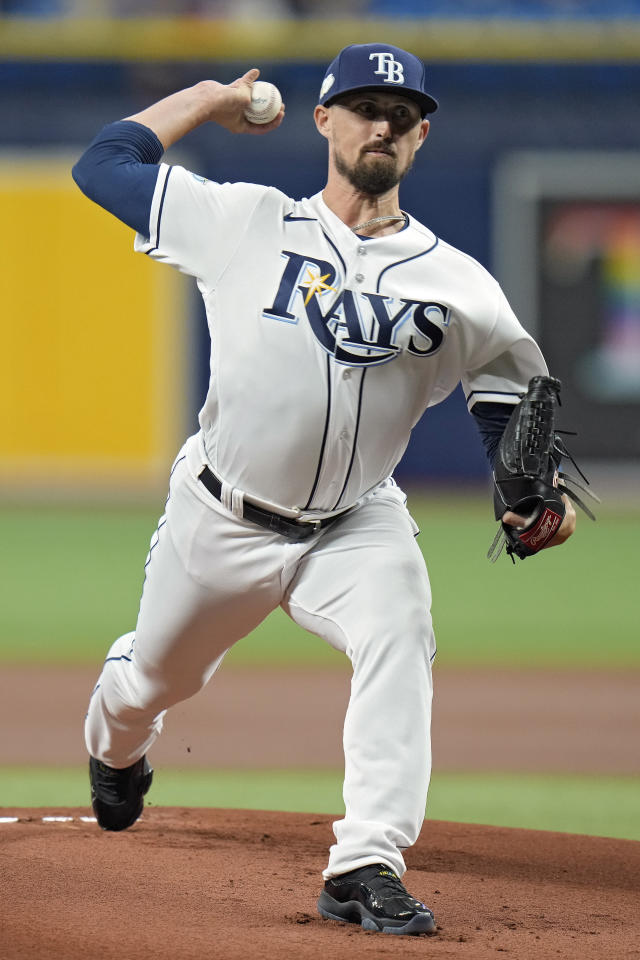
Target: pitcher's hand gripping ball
265 103
526 475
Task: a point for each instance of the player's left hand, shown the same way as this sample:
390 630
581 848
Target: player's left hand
564 531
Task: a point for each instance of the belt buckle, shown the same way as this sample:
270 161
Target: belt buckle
315 525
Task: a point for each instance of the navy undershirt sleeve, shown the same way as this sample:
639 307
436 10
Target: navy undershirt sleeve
118 171
491 420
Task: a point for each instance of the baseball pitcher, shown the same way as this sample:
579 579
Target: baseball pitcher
335 322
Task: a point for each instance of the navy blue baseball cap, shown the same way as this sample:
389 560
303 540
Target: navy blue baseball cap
377 66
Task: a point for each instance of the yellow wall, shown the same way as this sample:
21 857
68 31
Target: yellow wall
458 39
92 369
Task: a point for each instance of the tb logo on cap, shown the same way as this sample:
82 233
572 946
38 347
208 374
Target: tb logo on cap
386 64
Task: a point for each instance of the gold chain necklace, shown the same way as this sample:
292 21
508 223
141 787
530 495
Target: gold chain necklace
370 223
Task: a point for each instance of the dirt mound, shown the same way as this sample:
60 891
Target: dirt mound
188 884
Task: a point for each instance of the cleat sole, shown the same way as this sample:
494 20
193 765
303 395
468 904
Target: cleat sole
354 912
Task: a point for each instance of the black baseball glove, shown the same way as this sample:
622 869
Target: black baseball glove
527 478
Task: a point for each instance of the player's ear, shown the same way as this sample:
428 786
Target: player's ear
422 136
322 117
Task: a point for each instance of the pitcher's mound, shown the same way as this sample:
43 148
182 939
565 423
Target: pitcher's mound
191 884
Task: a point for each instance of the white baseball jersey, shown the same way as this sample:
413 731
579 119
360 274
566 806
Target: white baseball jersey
327 348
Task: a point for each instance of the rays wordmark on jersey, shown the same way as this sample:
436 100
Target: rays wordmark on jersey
356 327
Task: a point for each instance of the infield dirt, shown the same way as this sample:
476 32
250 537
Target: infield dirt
193 884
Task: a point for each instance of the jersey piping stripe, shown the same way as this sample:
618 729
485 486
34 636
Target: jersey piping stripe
415 256
324 436
156 537
156 540
175 464
162 521
337 252
113 659
154 543
355 442
164 191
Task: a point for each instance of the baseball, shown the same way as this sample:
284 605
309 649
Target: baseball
265 103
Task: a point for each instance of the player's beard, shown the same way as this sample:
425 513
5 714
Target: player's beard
372 175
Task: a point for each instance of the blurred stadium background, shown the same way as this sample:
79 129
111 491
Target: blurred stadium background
532 167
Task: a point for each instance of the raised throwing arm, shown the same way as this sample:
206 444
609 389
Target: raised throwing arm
206 102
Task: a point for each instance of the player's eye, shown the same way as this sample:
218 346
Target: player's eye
400 116
403 118
367 108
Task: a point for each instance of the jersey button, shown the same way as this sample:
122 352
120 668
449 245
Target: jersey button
344 435
346 375
362 251
359 277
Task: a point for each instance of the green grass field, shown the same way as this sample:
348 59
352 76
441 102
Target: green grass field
599 806
71 576
70 579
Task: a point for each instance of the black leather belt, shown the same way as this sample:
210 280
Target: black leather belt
292 529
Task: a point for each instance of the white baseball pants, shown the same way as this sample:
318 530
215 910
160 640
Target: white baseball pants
361 584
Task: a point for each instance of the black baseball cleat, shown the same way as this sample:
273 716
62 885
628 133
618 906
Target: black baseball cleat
116 795
375 897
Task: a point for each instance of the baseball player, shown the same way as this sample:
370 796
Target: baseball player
335 322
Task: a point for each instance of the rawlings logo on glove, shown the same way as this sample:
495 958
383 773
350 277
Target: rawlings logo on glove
527 479
545 528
